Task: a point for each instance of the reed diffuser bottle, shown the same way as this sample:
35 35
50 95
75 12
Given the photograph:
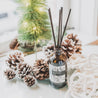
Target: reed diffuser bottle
58 70
58 64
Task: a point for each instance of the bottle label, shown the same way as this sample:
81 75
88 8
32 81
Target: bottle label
57 73
57 79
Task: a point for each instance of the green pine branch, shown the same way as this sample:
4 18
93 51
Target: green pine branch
34 23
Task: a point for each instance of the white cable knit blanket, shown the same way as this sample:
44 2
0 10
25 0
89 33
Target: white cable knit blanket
83 83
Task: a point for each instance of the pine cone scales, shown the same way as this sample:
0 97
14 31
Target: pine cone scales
24 69
77 42
49 51
68 47
29 80
14 60
78 49
10 74
39 62
41 71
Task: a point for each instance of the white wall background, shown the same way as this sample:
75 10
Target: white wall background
83 16
10 22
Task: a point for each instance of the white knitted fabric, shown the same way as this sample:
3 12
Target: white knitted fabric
83 83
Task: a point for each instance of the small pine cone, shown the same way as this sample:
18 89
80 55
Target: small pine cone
14 60
24 69
76 41
10 74
29 80
41 71
68 47
49 51
14 44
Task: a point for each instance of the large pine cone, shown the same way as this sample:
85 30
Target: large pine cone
10 74
29 80
41 70
68 47
14 60
24 69
76 41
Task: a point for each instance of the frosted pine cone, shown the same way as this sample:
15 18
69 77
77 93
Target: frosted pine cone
24 69
41 70
76 41
49 51
10 74
29 80
68 47
14 60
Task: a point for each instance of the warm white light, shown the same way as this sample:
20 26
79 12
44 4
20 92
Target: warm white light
41 9
26 2
34 28
25 24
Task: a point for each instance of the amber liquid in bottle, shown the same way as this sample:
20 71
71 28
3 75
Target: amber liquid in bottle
58 70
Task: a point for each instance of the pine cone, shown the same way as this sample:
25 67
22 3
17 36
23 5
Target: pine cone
41 70
29 80
14 44
49 51
24 69
10 74
76 41
14 60
68 47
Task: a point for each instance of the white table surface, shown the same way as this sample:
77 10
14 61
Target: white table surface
17 89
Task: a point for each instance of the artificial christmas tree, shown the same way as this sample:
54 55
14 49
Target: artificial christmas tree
34 28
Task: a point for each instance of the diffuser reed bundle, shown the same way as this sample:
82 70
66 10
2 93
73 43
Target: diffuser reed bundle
60 33
58 65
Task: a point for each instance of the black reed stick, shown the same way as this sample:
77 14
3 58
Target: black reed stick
61 25
59 31
66 25
52 27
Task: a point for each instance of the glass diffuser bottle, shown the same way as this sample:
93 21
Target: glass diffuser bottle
58 69
58 65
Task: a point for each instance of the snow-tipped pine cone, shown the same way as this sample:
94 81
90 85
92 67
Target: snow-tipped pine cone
15 59
49 51
41 70
29 80
10 74
76 41
68 47
24 69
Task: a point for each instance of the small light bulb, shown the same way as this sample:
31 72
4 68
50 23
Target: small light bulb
27 4
34 28
41 9
25 24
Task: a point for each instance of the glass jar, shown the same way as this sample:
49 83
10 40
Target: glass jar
58 69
